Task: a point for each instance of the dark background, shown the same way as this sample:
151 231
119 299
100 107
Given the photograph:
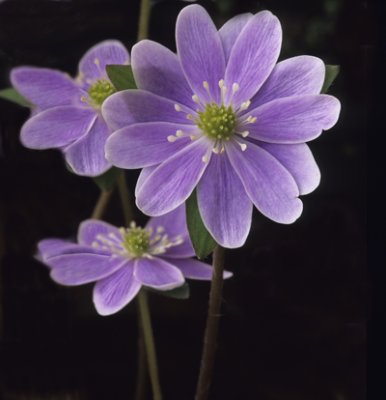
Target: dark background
294 315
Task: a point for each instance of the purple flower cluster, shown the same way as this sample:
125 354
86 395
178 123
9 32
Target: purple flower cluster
224 117
66 112
122 260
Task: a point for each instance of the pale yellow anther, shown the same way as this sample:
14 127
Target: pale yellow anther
160 229
177 107
96 61
235 87
221 83
245 105
179 133
171 138
243 146
122 230
244 134
193 137
206 85
133 224
190 117
253 120
196 99
83 99
216 150
205 158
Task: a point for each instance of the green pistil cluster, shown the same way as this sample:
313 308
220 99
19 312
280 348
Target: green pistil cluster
136 241
217 122
99 91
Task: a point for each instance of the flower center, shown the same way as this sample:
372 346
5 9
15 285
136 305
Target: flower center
136 241
217 122
99 91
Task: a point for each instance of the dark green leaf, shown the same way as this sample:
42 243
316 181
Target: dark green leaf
202 241
107 180
332 72
121 76
182 292
12 95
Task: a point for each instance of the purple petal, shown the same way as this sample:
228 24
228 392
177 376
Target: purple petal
224 206
78 269
295 76
268 184
93 64
193 269
91 228
45 87
49 248
146 144
133 106
157 273
87 155
200 51
230 31
143 175
299 161
294 119
113 293
253 55
56 127
158 70
173 181
174 224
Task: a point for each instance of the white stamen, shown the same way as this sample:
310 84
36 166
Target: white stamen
235 87
171 138
251 119
221 83
245 105
177 107
196 99
180 133
206 85
244 134
133 224
205 158
190 117
193 137
96 61
160 229
83 99
243 146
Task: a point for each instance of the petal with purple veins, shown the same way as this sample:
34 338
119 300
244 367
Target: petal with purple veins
253 56
174 225
295 119
173 181
157 273
91 228
158 70
146 144
86 156
223 203
295 76
113 293
78 269
143 175
56 127
230 31
268 184
299 161
200 51
46 88
133 106
92 65
194 269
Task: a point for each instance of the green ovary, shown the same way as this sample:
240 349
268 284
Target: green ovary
99 91
217 122
136 241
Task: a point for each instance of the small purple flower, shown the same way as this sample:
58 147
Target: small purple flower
66 112
221 116
121 260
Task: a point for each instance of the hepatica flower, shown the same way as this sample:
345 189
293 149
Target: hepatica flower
66 112
223 116
122 260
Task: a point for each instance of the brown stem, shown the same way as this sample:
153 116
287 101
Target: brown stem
101 204
212 326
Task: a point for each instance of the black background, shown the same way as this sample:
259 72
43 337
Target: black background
294 315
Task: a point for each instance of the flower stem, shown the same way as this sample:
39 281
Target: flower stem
149 344
143 23
101 204
126 200
212 325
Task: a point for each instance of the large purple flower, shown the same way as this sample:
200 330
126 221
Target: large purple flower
66 112
221 116
121 260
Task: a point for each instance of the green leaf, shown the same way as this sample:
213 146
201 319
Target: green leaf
181 292
12 95
107 180
202 241
332 72
121 76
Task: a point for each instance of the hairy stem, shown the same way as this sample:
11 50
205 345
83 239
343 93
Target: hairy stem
212 326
